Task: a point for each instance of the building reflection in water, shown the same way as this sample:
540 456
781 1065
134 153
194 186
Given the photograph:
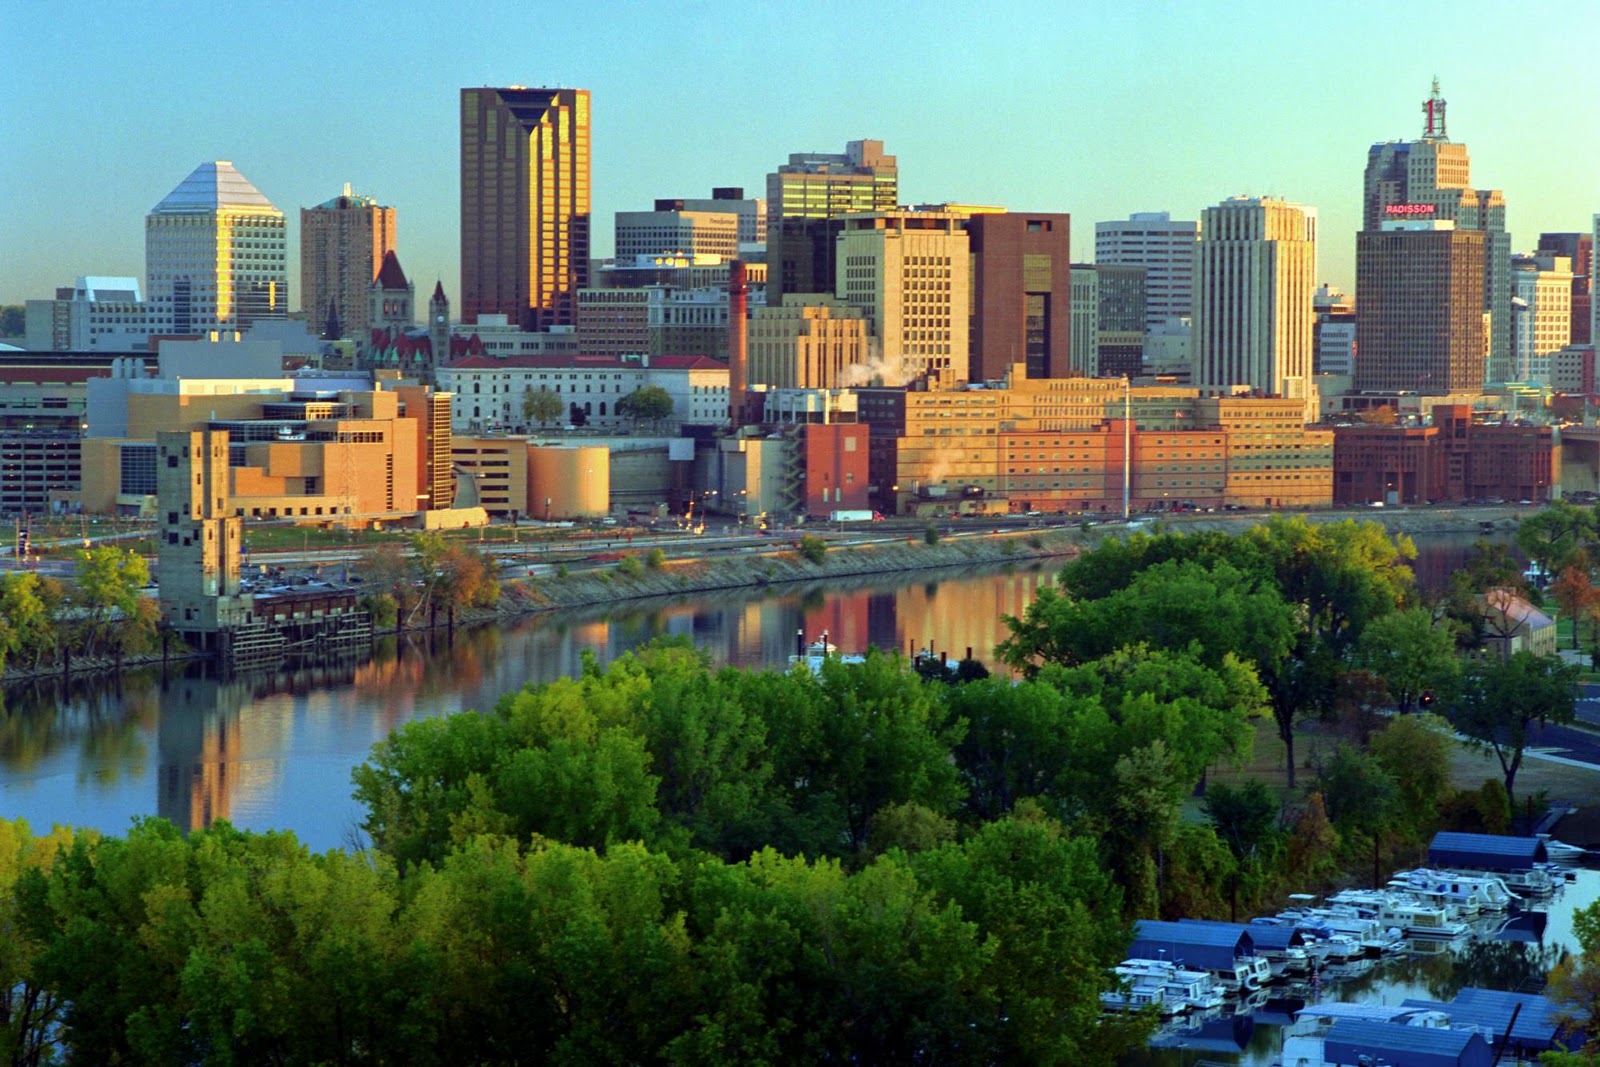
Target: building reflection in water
275 751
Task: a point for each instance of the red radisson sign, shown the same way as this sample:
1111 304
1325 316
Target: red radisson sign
1409 209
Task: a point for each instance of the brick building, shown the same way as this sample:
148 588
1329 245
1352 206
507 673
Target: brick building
1453 459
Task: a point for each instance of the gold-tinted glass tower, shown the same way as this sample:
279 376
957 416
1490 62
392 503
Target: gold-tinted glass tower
524 203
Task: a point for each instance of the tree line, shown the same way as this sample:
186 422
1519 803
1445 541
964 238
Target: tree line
664 861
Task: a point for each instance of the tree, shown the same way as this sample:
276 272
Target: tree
813 549
1501 703
1577 596
13 320
107 584
576 415
648 403
1412 654
1362 796
1574 989
540 405
1554 535
1382 415
1415 750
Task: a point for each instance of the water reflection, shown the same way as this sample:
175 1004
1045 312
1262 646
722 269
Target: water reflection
275 750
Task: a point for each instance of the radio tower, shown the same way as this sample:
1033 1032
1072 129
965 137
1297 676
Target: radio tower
1433 115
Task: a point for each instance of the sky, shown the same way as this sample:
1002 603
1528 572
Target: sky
1090 107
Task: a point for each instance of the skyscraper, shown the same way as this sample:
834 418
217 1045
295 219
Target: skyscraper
909 273
1419 285
524 203
214 255
1255 273
807 197
1429 178
1026 256
342 245
1165 249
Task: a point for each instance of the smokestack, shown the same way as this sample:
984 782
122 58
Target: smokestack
738 370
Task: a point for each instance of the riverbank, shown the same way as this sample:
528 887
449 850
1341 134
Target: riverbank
781 565
763 564
757 567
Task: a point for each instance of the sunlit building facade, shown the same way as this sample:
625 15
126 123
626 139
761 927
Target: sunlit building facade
215 255
806 199
1254 280
525 215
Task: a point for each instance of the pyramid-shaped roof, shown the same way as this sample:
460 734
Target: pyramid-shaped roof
390 276
211 187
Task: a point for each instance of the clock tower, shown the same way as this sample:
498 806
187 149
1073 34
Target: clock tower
439 325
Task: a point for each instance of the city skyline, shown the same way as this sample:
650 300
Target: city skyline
1094 113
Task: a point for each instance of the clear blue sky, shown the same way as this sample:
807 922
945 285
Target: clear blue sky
1094 108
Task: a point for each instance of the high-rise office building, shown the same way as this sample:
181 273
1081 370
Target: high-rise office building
1255 273
1165 248
673 231
1021 294
1541 304
751 210
1578 247
215 254
908 272
1420 288
806 200
342 245
524 204
1119 328
1430 178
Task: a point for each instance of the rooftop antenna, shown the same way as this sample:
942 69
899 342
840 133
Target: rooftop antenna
1433 115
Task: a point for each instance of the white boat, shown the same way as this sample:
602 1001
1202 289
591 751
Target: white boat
1184 989
1468 893
1138 991
819 652
1413 917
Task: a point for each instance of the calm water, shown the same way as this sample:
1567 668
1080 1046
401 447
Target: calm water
275 752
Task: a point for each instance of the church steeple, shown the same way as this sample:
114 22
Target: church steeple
1433 115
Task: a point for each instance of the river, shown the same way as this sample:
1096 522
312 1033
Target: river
275 751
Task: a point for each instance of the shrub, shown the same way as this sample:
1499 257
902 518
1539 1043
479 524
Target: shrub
1036 542
630 567
655 558
813 548
931 534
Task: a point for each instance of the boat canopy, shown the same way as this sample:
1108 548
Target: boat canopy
1192 944
1404 1046
1486 852
1267 937
1488 1011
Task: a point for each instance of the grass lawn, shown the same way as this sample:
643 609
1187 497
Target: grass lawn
1467 771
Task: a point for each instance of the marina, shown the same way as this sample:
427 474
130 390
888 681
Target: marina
1447 998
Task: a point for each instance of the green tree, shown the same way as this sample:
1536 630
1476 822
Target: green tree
1362 797
540 406
1415 750
106 593
1245 817
1556 534
1046 901
1018 739
648 403
813 549
1413 655
930 535
13 320
29 606
1501 702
